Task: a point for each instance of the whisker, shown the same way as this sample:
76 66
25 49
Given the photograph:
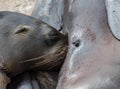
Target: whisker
33 59
49 61
44 61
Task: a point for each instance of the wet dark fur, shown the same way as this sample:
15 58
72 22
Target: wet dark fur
27 43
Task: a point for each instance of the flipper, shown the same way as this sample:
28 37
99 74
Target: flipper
50 12
113 12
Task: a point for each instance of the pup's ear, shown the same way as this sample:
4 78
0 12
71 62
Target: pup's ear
113 13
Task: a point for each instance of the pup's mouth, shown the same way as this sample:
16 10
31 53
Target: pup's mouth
48 62
51 76
60 56
52 62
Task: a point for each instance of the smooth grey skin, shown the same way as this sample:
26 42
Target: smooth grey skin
27 43
93 59
113 13
50 11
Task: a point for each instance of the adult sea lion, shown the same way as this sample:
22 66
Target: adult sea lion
27 43
93 59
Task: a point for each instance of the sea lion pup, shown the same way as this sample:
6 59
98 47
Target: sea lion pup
26 43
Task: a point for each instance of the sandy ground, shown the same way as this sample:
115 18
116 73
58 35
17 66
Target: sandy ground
22 6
